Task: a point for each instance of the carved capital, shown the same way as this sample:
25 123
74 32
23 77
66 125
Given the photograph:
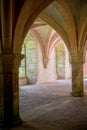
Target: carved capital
10 62
76 59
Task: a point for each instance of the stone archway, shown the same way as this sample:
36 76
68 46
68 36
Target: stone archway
15 23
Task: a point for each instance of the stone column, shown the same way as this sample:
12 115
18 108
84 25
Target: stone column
9 89
6 22
77 77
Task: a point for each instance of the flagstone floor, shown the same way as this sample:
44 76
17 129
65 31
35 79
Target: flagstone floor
50 106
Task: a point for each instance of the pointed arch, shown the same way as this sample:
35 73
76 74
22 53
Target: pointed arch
28 13
82 34
55 25
39 40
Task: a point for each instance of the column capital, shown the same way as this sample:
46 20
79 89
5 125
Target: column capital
10 61
12 55
76 59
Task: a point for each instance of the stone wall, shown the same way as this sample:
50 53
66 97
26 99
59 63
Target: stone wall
68 68
85 66
60 60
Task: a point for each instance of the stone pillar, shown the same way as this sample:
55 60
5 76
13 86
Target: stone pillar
77 77
6 22
9 89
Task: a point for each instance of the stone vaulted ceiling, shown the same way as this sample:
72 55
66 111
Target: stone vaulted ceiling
68 18
46 36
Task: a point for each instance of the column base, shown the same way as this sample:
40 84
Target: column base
78 94
10 123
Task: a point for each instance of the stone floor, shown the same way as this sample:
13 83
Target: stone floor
51 107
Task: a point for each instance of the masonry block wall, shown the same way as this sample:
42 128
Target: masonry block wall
85 66
68 68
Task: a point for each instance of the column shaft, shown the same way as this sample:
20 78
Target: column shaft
77 79
6 21
9 86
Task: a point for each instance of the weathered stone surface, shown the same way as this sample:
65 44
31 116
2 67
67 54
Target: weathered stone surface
51 107
77 77
9 86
